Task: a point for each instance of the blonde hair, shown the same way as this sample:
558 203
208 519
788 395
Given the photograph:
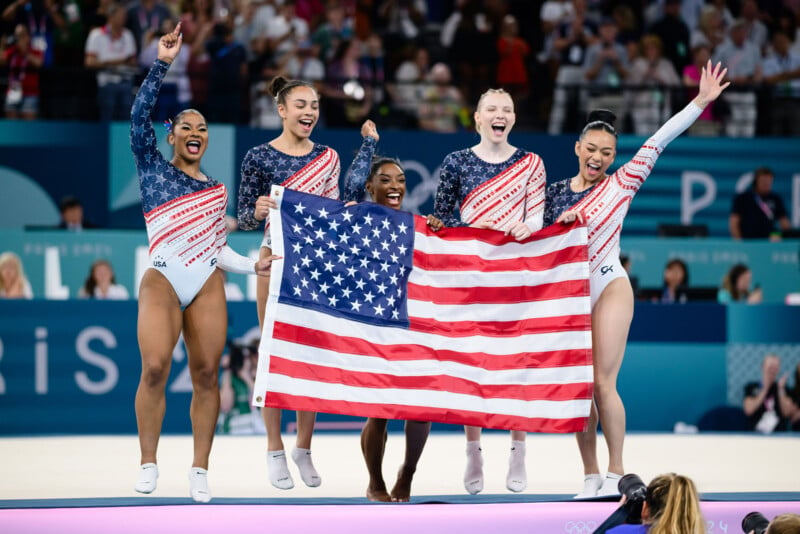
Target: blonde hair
674 506
11 258
488 92
784 524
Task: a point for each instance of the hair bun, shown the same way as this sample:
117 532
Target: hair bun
603 115
278 83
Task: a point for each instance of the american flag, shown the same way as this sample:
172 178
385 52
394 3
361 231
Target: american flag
372 314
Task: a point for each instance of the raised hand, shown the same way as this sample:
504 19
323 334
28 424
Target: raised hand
368 129
170 44
711 84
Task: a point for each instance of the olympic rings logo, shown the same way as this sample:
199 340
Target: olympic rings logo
580 527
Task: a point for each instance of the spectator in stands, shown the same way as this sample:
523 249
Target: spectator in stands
72 217
707 124
348 88
285 30
237 380
23 62
755 29
472 52
711 29
145 16
101 284
404 20
111 51
263 108
303 63
409 84
794 395
654 80
744 71
758 212
441 104
13 282
336 28
227 74
570 40
782 74
674 34
41 17
512 70
606 69
676 280
197 25
176 91
767 403
736 287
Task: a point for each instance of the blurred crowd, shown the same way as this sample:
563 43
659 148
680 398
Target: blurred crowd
409 63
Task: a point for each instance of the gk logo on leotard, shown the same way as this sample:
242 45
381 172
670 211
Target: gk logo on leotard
213 261
159 263
606 269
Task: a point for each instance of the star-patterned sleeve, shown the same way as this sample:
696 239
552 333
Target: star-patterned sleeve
144 144
356 179
444 207
255 183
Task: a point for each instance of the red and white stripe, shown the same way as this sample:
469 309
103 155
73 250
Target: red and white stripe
320 177
514 195
499 337
190 228
606 206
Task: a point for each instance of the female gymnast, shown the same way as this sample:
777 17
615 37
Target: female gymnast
385 181
498 186
182 292
294 161
602 201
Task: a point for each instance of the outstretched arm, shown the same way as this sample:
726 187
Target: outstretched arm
711 86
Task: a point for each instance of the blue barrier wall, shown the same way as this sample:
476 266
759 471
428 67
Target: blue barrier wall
73 366
693 181
775 265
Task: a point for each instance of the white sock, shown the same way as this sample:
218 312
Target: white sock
473 475
610 485
198 485
302 457
148 475
517 478
591 484
278 470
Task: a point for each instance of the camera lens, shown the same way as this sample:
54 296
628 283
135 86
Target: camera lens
632 487
756 522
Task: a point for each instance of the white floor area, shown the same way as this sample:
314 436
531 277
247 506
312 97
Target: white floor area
106 466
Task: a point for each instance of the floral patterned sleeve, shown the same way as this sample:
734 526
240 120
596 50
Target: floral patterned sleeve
356 179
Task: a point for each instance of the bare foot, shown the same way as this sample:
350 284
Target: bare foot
401 492
378 493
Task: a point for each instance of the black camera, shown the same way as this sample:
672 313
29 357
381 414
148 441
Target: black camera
756 522
630 513
632 487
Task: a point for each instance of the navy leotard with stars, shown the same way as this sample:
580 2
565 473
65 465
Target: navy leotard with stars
461 173
264 166
159 180
558 198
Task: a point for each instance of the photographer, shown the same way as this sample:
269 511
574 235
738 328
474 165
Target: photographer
668 505
756 523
